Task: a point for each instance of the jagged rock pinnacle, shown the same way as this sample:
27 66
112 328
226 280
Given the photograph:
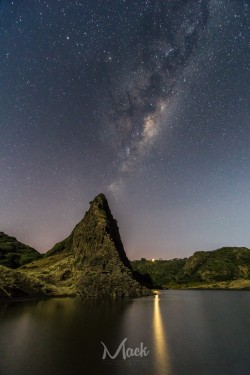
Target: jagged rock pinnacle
99 223
99 254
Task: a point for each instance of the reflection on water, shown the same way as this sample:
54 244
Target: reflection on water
186 332
162 360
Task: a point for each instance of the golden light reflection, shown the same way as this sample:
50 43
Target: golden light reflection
161 346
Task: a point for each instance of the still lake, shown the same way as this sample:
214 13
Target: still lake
182 333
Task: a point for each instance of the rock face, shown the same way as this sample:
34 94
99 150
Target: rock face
96 233
99 255
14 254
99 252
96 240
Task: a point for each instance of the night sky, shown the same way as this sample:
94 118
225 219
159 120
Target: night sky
146 101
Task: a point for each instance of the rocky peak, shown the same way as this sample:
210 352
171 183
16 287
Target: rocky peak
97 232
99 256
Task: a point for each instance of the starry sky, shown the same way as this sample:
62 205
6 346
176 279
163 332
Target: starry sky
146 101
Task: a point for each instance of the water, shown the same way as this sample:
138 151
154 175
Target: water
186 332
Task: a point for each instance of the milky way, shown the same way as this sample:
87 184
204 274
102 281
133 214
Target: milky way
146 101
162 44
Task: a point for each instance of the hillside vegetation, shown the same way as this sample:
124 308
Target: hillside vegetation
14 254
228 267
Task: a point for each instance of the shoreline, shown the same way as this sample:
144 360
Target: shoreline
155 292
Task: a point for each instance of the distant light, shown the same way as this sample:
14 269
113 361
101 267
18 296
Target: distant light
153 260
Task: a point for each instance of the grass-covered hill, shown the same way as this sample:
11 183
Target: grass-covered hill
228 267
14 254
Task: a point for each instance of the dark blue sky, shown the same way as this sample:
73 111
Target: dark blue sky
145 101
